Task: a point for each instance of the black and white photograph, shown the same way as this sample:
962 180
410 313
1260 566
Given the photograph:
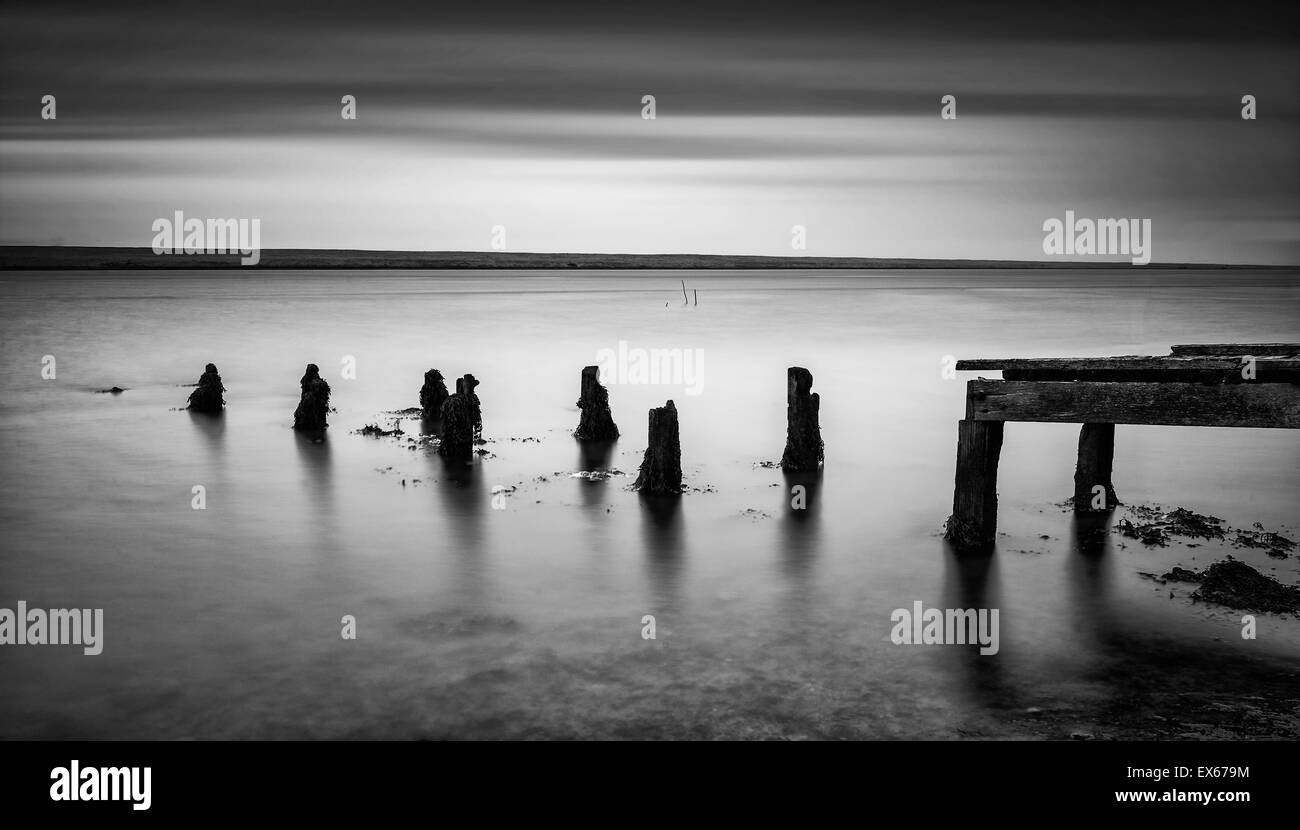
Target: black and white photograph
425 372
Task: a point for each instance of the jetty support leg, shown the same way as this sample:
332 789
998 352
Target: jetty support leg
1096 456
974 522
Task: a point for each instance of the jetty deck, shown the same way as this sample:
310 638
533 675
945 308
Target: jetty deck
1208 385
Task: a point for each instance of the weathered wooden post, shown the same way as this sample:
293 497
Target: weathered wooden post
803 440
973 524
432 394
461 420
466 386
208 396
661 469
1096 456
315 402
596 422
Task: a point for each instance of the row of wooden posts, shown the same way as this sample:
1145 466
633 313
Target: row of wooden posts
458 420
1220 385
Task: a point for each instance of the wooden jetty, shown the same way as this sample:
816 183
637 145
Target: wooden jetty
1216 385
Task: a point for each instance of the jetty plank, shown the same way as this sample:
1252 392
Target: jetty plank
1204 370
1265 405
1254 349
1134 363
1221 363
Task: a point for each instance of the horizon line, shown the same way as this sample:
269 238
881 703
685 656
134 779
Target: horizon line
20 257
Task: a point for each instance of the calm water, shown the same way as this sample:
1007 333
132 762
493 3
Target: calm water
526 622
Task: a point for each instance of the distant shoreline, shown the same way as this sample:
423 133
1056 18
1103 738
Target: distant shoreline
73 258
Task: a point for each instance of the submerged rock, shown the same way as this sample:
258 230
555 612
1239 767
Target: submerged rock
315 402
208 396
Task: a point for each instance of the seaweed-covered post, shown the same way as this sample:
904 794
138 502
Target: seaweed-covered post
803 439
974 522
462 421
661 469
596 422
432 395
208 396
1096 457
466 386
315 402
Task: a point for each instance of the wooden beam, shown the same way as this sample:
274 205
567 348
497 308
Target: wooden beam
1131 363
1141 369
973 525
1173 404
1264 372
1096 457
1253 349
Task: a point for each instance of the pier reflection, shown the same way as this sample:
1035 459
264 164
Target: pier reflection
316 465
663 535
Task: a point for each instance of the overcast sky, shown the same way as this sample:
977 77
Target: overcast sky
482 114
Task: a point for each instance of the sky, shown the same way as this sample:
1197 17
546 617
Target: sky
528 116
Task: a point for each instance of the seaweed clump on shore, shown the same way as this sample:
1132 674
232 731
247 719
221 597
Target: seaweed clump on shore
208 397
376 431
462 420
314 405
1274 544
1237 585
433 395
1160 527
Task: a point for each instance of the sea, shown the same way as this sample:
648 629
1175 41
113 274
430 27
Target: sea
255 583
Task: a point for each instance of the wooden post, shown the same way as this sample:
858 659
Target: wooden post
208 396
596 422
314 405
466 386
974 521
803 438
661 469
1096 456
432 395
461 420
